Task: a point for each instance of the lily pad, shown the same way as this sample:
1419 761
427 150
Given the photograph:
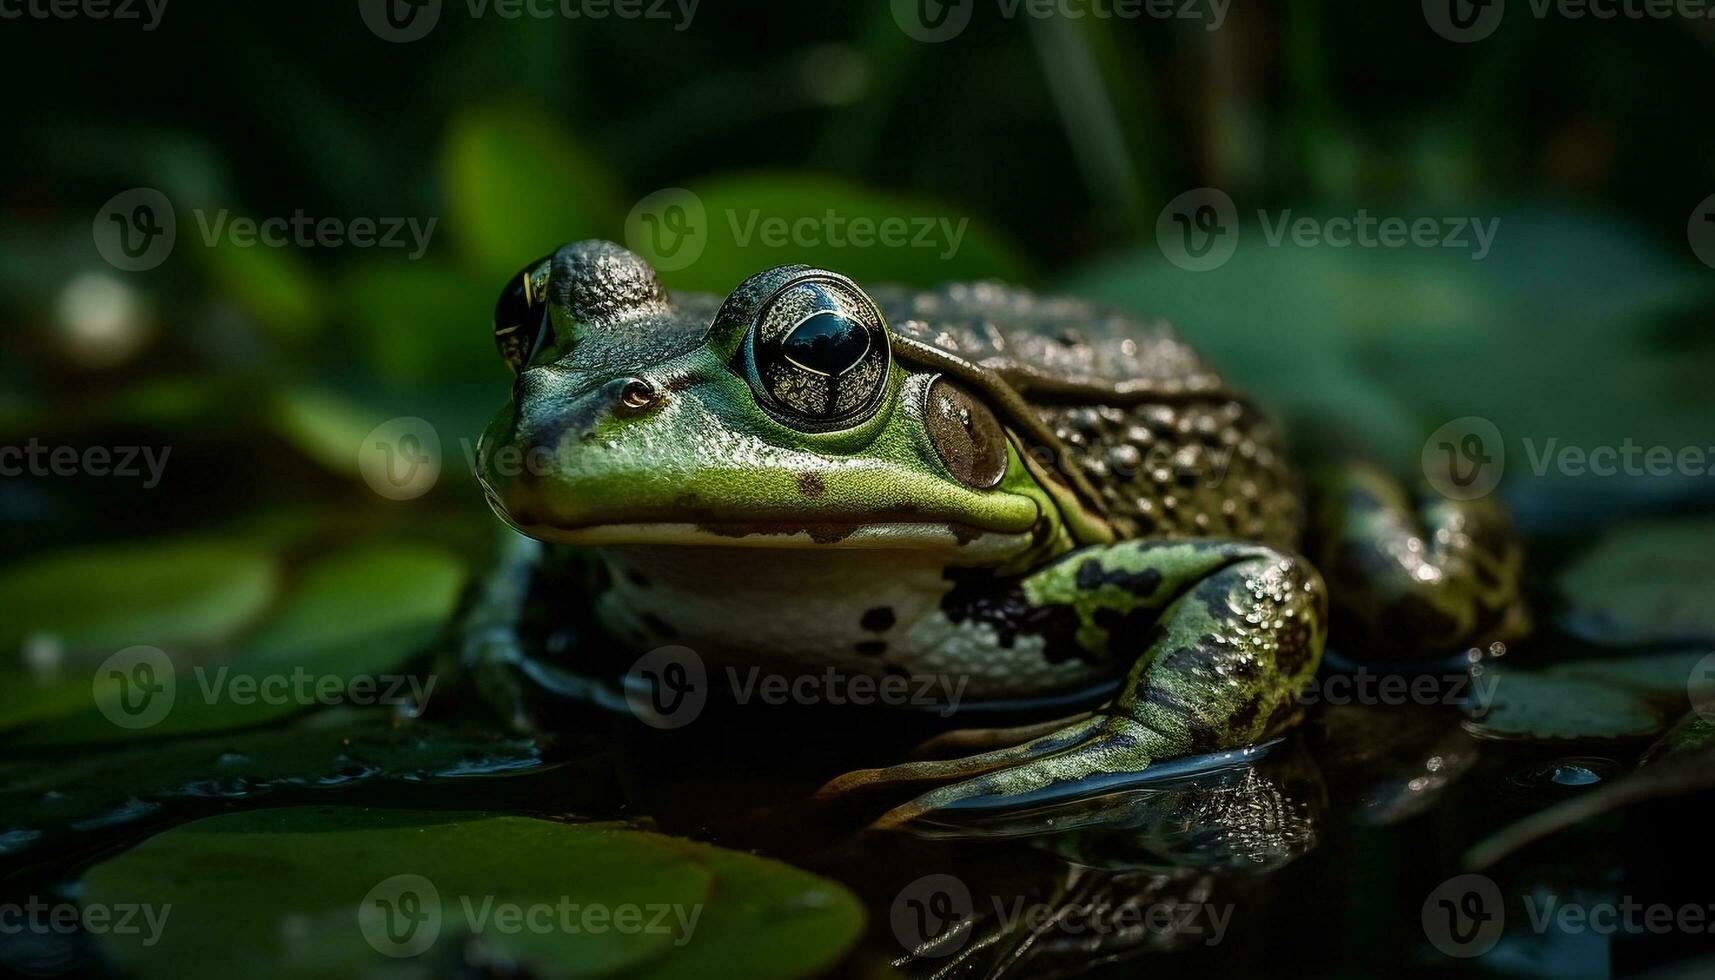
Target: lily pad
340 638
1663 676
336 750
1536 707
317 892
1647 582
161 593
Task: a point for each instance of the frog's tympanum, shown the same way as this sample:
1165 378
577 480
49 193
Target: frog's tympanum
1031 493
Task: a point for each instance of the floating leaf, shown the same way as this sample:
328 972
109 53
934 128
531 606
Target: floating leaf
1523 705
341 638
159 593
308 892
1646 582
1665 676
518 187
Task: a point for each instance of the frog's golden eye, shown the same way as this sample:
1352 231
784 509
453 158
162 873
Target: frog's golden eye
819 353
521 314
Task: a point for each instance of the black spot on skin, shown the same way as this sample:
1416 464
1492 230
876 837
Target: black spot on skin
878 620
1245 713
872 648
657 625
637 578
811 485
1092 576
981 596
1204 737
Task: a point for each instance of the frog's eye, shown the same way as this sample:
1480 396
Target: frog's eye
521 314
819 353
965 434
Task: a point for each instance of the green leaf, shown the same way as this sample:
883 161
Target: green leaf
332 750
1372 349
325 426
517 187
232 881
1645 582
160 593
272 284
752 222
356 615
1538 707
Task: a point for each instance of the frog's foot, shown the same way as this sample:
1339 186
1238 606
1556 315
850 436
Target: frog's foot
486 653
1416 578
971 741
1234 632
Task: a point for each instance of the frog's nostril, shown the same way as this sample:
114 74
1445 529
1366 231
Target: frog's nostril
637 395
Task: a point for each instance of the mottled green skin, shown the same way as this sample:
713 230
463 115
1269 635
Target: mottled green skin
1144 529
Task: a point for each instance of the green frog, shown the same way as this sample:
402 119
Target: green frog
1033 494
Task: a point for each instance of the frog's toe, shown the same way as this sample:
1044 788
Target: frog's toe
945 770
1110 750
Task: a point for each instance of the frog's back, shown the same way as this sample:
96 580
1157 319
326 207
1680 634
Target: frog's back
1172 449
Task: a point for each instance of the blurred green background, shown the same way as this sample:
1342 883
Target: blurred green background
1058 139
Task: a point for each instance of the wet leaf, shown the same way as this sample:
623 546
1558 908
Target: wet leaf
750 221
341 637
1646 582
333 750
279 894
517 187
1537 707
160 593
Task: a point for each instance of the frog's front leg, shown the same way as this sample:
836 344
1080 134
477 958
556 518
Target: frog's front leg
1223 636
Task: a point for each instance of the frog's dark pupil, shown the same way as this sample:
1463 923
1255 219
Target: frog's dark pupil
826 343
513 309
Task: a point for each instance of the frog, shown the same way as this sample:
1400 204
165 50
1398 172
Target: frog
1034 493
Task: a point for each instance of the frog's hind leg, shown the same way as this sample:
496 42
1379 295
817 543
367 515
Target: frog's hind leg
1224 635
1415 578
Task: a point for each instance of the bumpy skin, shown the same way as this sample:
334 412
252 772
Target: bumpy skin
1033 494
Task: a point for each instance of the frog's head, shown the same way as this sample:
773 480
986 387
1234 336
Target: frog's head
780 417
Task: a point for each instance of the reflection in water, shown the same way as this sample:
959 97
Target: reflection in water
1147 869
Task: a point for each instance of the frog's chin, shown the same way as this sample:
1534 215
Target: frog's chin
966 540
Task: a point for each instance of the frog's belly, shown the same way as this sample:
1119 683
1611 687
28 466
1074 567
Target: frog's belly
797 613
